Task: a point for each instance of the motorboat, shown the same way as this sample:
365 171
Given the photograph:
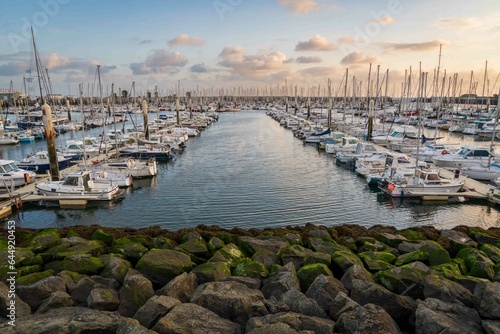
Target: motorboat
363 150
397 135
12 176
127 166
39 162
466 156
424 182
79 185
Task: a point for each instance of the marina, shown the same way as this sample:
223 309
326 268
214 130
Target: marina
247 170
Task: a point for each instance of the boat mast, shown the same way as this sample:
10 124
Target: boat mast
80 89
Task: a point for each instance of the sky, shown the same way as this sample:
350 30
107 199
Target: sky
202 46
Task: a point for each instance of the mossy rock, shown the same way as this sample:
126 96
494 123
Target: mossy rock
348 242
83 264
76 277
44 240
407 279
227 238
320 233
161 242
27 270
318 257
375 246
250 268
293 238
230 254
4 244
268 233
23 257
91 247
250 245
412 234
325 246
54 266
436 254
266 258
449 270
461 265
492 252
376 261
482 237
133 251
72 233
308 273
4 270
99 234
162 265
295 253
478 264
391 240
51 253
35 277
411 257
197 247
212 271
345 260
115 267
214 244
191 236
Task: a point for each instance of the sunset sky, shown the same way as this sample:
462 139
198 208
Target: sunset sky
246 43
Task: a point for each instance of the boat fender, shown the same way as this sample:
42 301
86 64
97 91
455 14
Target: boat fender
444 152
26 178
391 187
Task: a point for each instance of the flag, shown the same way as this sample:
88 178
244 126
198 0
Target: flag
37 105
28 71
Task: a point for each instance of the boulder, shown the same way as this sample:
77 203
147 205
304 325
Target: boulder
35 293
458 239
57 299
132 250
434 316
181 287
366 319
324 289
34 277
293 238
252 283
115 267
212 271
436 254
195 319
295 321
409 246
341 304
327 246
477 262
487 300
391 240
77 246
103 299
438 287
230 300
300 303
99 234
214 244
266 258
76 320
492 252
482 237
135 292
308 273
318 257
343 260
44 240
356 272
296 254
400 308
230 254
376 261
491 326
162 265
405 258
22 309
82 264
281 281
250 245
250 268
154 309
407 280
196 247
81 292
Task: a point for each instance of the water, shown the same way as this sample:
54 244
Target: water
246 171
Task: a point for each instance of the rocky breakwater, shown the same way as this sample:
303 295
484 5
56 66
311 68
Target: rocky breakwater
309 279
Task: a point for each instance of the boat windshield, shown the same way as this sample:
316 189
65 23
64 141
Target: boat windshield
71 181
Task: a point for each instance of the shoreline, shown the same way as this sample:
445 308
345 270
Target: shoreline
272 280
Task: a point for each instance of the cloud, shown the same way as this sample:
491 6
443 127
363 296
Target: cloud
199 68
319 71
145 41
317 43
355 58
299 6
241 64
14 68
412 47
184 39
159 61
384 20
346 40
308 60
469 22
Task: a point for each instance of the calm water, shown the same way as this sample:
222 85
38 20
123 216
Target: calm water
247 171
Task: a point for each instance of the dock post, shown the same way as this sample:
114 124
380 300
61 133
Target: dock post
145 115
51 144
68 109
